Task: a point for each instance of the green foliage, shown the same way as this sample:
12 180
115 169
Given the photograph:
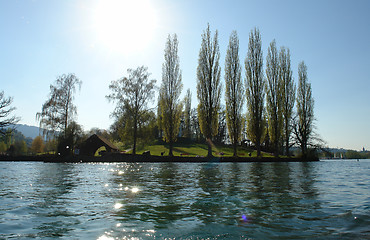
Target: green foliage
350 154
255 84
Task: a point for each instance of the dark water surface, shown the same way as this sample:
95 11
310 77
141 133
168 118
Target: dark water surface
325 200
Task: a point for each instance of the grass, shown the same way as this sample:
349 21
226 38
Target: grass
197 149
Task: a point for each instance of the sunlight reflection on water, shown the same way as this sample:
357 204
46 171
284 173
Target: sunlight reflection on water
185 201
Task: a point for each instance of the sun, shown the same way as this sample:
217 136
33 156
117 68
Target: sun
124 26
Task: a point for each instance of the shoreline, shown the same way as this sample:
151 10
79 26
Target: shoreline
115 158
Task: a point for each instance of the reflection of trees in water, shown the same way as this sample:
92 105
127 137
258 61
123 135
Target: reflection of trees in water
53 185
209 203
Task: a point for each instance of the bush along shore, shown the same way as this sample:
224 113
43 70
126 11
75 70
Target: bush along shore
119 157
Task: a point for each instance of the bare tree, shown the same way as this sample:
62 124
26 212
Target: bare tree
305 116
170 105
58 111
288 95
132 94
187 113
274 98
234 93
209 86
255 85
6 110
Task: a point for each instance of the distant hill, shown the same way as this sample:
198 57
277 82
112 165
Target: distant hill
28 131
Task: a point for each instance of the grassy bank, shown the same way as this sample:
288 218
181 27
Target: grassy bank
197 149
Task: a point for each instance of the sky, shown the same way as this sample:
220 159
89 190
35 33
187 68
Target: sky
99 40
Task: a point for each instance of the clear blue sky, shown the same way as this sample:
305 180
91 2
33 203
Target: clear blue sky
100 40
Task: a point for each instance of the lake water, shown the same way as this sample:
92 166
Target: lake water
324 200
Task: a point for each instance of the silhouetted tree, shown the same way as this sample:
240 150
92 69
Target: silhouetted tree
132 95
209 86
187 114
6 118
288 95
305 116
255 85
234 94
274 98
169 96
58 111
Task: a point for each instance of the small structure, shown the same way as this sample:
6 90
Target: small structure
93 143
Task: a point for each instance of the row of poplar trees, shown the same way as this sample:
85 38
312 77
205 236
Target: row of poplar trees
275 117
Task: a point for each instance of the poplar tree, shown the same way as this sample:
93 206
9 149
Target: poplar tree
255 91
209 86
234 92
305 117
187 113
170 105
288 95
274 97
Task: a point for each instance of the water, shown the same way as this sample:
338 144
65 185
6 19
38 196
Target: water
325 200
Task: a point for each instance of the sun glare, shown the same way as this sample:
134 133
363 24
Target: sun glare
124 26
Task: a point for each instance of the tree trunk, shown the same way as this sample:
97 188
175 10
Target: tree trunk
135 137
287 147
235 147
258 147
171 147
209 141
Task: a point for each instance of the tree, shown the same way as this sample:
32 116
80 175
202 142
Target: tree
255 85
6 110
305 116
209 86
58 111
234 94
288 95
132 94
37 145
187 114
274 98
171 107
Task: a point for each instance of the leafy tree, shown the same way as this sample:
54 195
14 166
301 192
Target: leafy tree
305 116
288 95
187 114
132 95
37 145
6 118
72 136
255 85
274 98
234 93
209 86
3 147
58 111
170 105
